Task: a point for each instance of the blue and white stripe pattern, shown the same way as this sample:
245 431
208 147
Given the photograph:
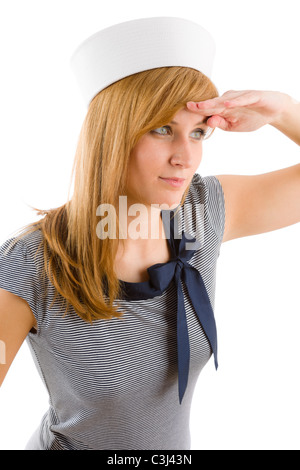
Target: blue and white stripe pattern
114 384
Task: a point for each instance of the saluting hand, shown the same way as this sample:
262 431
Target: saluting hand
242 111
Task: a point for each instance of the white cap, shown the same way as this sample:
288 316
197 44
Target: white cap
137 45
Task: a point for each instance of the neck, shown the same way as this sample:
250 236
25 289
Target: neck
141 225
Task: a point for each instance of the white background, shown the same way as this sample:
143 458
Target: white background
252 402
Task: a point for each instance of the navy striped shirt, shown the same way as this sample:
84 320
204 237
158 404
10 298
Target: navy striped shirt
114 384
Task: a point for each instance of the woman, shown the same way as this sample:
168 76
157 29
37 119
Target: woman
115 289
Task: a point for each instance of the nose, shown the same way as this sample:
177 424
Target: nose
182 154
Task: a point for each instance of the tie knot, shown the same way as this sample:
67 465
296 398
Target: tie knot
180 263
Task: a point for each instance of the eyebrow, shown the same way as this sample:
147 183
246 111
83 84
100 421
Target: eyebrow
198 123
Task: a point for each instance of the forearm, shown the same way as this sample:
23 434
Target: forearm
289 120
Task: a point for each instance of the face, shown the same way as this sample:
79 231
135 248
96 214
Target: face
171 151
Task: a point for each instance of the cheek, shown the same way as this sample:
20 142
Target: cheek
146 160
197 156
199 159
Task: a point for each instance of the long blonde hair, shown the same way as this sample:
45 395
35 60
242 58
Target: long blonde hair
79 264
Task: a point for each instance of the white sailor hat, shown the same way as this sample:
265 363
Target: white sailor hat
137 45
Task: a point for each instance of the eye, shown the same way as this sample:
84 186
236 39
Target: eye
203 134
158 130
200 133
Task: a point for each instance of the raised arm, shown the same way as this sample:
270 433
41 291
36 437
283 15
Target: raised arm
16 320
259 203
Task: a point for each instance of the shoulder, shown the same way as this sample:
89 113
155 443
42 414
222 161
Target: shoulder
23 246
205 188
21 266
206 197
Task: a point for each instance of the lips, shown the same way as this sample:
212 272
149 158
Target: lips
175 182
179 180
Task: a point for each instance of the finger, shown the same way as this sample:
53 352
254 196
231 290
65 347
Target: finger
246 99
207 108
217 121
220 104
205 104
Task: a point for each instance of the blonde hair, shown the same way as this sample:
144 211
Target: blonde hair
78 263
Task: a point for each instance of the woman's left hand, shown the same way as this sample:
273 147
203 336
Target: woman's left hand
241 111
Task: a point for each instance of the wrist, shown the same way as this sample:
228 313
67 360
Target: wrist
287 109
288 120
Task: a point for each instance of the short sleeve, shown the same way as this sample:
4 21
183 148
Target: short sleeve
18 273
215 204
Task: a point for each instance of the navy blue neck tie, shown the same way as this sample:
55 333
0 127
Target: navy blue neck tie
178 270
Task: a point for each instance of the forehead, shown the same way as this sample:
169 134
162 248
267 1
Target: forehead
186 116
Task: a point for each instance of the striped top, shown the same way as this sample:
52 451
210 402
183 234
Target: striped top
114 384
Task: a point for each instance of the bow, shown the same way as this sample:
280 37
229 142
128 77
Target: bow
178 269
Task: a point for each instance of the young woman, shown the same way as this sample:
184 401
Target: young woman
115 289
